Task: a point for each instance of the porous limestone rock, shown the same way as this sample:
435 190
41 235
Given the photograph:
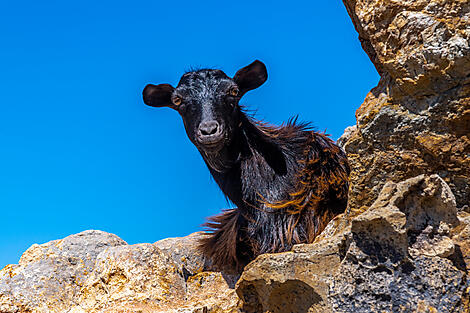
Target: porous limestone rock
348 131
422 45
131 275
94 271
401 255
48 277
408 252
184 254
417 120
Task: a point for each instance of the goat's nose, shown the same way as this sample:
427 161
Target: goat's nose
209 128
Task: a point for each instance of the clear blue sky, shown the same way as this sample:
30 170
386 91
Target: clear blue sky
80 150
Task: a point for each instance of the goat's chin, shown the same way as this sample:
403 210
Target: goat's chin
212 148
217 159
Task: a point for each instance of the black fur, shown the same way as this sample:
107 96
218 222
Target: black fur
287 182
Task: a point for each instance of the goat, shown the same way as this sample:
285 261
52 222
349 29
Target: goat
287 182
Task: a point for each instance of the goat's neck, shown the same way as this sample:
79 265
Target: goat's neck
224 160
239 147
225 165
247 142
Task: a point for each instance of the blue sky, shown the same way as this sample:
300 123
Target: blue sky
79 149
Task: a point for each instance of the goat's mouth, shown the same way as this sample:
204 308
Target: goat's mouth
211 144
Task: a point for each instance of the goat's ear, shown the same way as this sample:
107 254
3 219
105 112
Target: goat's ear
251 76
158 95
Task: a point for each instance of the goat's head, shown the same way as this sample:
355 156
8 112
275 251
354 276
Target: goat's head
207 100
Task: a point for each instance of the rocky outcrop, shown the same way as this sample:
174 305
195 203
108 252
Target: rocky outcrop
410 251
402 255
403 245
417 120
48 276
94 271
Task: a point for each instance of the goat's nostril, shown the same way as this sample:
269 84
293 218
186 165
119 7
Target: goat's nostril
209 128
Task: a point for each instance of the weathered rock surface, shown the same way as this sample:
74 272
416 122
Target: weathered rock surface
409 252
50 275
401 255
94 271
417 120
403 246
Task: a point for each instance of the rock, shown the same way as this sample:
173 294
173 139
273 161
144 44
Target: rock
94 271
421 45
168 276
409 251
398 256
131 276
211 292
49 276
348 131
417 120
295 281
184 253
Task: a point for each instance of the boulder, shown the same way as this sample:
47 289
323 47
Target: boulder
94 271
48 277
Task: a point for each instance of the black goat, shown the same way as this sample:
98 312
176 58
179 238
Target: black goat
287 182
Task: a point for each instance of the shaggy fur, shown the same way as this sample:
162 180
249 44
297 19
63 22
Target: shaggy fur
293 181
287 182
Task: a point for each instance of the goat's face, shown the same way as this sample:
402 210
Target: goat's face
207 100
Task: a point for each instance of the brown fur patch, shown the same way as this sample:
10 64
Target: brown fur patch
323 176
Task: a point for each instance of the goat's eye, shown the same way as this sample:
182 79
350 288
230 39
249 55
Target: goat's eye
176 100
233 91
